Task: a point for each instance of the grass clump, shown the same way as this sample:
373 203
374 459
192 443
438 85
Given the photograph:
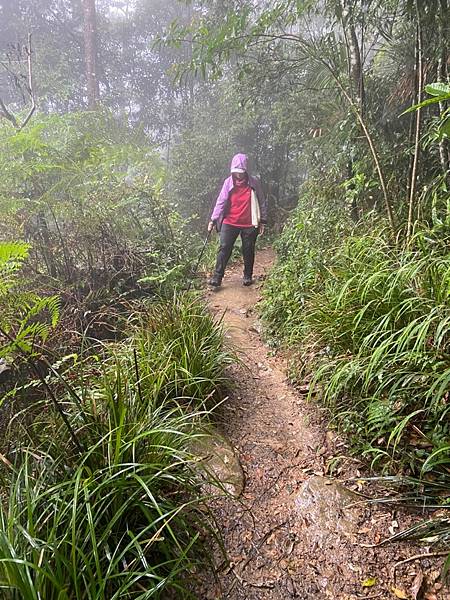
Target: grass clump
375 317
384 314
371 330
124 518
305 252
181 351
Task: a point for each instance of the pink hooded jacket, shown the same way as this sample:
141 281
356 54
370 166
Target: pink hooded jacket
239 161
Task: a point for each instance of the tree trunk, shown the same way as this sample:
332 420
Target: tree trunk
90 52
356 67
354 54
355 70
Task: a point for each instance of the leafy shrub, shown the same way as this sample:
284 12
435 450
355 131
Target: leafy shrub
25 317
125 529
305 251
181 346
88 195
384 314
122 518
375 316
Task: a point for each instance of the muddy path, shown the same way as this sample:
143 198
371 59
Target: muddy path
295 531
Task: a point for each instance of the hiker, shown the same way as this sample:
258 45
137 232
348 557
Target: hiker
240 209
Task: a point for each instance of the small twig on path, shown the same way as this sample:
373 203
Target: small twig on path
418 556
268 585
399 536
250 558
276 480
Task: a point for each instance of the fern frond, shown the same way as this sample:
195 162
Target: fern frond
25 317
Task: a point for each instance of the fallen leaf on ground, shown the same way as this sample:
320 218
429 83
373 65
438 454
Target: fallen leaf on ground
369 582
417 585
393 527
398 593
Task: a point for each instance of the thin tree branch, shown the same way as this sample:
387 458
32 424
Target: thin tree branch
4 111
8 115
369 139
28 50
419 65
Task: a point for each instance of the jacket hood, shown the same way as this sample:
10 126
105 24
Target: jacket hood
240 161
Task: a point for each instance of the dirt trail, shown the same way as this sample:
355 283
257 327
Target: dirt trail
295 532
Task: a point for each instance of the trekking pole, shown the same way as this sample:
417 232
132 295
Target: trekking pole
199 259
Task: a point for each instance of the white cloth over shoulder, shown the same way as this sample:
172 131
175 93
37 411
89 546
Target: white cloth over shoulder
256 213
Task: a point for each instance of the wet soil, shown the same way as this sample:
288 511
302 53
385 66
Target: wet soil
295 531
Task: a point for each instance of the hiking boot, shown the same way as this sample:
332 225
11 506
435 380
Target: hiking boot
247 280
215 281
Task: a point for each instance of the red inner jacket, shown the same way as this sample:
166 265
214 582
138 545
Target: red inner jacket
240 213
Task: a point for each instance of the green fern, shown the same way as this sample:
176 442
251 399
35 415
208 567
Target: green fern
25 317
12 255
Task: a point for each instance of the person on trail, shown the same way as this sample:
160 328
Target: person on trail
240 209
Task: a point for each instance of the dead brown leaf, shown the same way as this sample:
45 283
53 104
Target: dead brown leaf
416 587
399 593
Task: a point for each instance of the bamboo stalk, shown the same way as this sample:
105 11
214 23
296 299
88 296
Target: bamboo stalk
413 183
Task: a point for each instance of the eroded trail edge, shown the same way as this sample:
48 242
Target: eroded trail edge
296 531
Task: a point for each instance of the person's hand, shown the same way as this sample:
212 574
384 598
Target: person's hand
261 229
210 225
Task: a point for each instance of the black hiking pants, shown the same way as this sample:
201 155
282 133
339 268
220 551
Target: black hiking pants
228 236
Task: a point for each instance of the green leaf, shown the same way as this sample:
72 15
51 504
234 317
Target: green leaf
427 102
444 129
437 89
369 582
446 567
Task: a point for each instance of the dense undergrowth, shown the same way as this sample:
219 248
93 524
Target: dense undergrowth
305 251
376 315
108 370
88 194
383 315
368 319
107 502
